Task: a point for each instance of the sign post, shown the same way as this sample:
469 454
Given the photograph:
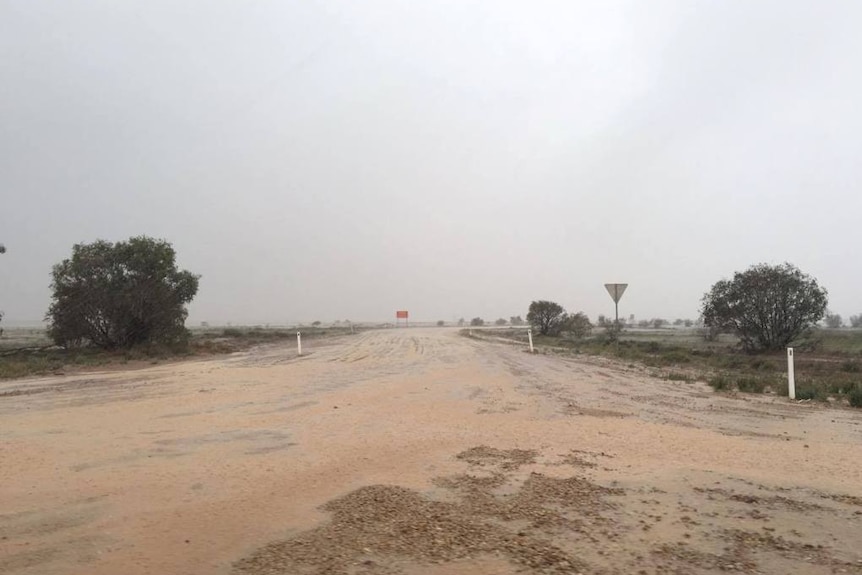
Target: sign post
402 314
530 336
298 343
791 381
616 291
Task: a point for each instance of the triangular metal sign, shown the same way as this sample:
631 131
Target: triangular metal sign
616 291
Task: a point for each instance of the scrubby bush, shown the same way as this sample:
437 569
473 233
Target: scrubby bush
750 384
767 307
809 391
720 382
576 325
477 321
546 317
120 295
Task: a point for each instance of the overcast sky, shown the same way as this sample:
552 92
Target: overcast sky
341 160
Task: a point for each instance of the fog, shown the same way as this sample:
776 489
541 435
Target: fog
341 160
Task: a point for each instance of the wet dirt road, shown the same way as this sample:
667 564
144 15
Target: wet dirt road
421 452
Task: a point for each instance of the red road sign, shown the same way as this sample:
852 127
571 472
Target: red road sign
401 314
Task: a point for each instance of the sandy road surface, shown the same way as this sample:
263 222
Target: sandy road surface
419 452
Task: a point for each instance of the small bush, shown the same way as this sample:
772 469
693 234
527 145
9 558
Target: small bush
232 332
720 382
576 325
851 367
809 391
672 376
855 397
751 384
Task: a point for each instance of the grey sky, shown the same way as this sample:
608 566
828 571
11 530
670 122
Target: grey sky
334 160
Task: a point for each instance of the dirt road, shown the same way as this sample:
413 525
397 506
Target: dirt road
419 452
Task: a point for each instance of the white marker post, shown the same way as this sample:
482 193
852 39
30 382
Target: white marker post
530 336
791 382
299 343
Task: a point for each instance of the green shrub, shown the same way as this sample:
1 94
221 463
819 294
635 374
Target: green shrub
751 384
810 391
232 332
672 376
720 382
855 397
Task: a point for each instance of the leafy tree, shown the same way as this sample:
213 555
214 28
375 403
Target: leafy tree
477 321
516 320
461 322
577 325
710 333
644 323
500 321
441 323
602 320
120 295
658 323
856 320
767 307
546 317
688 323
315 324
834 320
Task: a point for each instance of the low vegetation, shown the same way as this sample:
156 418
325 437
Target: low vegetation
30 352
550 319
828 368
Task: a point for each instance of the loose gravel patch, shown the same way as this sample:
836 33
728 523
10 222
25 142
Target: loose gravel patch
375 528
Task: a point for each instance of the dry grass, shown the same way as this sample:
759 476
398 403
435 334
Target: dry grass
828 368
29 352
